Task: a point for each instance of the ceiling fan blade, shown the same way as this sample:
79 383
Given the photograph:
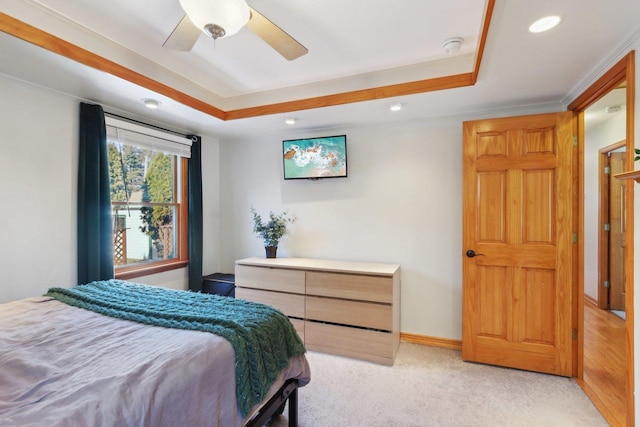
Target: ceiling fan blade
183 37
282 42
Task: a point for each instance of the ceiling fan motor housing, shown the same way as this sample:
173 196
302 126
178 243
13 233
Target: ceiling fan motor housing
215 31
222 18
218 18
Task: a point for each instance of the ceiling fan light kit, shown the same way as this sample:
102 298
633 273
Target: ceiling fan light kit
222 18
218 18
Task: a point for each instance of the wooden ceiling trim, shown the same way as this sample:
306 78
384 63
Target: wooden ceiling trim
38 37
54 44
483 38
410 88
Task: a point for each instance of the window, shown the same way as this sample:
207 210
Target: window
148 179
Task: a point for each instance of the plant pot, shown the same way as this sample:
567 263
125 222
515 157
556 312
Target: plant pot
271 251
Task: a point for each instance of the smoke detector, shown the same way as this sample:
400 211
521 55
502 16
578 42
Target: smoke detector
452 45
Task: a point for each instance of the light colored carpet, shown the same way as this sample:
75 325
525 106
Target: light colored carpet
431 386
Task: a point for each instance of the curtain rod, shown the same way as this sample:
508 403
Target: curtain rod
117 116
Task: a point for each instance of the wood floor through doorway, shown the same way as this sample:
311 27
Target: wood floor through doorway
605 362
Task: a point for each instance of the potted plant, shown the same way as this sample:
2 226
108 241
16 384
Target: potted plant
271 231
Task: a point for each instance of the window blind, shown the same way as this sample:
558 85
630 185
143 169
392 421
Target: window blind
147 138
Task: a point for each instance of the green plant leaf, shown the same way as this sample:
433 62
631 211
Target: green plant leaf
273 229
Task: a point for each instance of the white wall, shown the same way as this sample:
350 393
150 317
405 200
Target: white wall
38 172
38 175
402 203
605 134
211 205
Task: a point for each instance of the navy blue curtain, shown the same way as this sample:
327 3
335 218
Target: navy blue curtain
95 247
195 215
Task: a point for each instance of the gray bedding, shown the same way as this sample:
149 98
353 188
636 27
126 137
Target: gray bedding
63 365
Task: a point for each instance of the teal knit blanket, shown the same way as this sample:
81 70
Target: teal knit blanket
263 338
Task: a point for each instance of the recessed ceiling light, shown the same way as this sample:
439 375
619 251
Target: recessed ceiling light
544 24
151 103
395 107
290 121
612 109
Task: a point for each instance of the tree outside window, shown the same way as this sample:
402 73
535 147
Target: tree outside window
145 197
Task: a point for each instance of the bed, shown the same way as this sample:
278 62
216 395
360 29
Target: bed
114 353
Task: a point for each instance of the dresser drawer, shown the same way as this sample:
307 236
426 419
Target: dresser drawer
290 304
350 286
346 308
350 342
356 313
273 279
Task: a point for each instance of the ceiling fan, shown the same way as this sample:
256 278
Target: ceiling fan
223 18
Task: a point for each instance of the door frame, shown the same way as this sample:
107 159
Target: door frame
604 301
621 71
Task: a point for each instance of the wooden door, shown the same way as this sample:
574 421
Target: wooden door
616 232
517 207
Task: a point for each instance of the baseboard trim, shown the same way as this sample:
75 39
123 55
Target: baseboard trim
591 300
599 404
431 341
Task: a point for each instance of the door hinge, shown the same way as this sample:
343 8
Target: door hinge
575 141
607 227
574 334
607 285
574 238
607 170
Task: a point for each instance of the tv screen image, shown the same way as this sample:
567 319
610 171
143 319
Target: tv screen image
315 158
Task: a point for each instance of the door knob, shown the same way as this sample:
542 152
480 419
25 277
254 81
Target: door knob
471 253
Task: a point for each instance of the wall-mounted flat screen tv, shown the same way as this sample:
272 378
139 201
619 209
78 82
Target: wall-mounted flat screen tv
315 158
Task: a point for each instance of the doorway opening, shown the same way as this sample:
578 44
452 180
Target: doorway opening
621 75
611 229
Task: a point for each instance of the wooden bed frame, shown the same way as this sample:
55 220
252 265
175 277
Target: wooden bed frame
275 405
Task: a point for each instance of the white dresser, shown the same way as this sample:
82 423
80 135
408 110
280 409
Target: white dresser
346 308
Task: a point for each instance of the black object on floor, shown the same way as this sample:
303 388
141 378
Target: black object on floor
220 284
